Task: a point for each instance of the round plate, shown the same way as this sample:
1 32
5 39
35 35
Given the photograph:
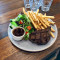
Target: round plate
29 46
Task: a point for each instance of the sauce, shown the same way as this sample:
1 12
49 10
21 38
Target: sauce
18 32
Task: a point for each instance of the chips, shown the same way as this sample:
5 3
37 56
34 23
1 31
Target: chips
40 21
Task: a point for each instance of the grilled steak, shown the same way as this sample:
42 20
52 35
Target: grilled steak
40 37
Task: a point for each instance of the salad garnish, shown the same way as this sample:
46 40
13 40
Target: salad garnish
23 21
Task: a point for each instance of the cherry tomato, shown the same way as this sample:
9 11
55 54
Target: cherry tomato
29 27
21 22
26 33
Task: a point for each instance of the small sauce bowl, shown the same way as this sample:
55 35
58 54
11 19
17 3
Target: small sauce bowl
18 33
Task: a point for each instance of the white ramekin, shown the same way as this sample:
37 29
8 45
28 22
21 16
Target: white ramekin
17 38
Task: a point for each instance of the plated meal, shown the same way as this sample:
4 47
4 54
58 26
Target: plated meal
33 26
32 31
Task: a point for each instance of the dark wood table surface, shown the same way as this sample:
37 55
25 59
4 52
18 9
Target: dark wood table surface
10 9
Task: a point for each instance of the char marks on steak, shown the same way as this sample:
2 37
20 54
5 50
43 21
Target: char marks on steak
40 37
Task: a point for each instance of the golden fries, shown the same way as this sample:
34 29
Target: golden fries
40 21
32 20
34 16
45 21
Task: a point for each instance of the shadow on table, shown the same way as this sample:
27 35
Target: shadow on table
55 55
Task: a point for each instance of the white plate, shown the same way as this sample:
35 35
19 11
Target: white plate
29 46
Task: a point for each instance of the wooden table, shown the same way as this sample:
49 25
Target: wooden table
10 9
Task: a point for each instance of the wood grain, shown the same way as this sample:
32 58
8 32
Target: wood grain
56 1
8 5
6 48
9 15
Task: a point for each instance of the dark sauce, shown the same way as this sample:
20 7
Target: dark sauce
18 32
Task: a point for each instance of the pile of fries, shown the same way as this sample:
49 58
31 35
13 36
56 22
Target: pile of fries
39 20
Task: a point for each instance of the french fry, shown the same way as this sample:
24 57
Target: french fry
40 14
45 18
38 27
52 34
24 11
37 11
45 14
52 29
51 22
48 16
42 27
40 24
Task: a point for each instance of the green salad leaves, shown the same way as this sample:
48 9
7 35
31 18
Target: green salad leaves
23 21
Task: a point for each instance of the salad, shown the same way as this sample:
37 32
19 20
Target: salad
23 21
